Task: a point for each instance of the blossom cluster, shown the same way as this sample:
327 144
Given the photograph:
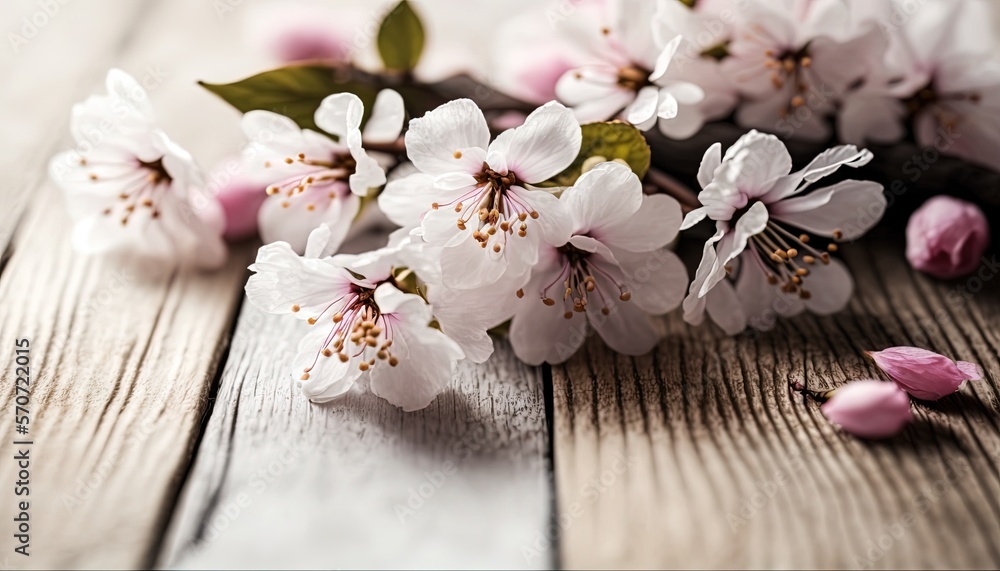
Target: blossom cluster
873 71
546 225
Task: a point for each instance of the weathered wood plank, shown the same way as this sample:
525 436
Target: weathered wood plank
280 482
51 58
697 456
122 358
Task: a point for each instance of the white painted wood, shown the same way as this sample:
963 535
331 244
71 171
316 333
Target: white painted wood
122 357
281 482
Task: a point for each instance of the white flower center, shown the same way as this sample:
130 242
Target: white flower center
306 187
493 209
359 331
140 188
579 283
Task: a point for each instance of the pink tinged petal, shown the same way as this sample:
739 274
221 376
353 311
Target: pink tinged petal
465 265
657 279
689 120
603 109
405 200
339 114
605 197
432 140
386 121
627 329
946 237
853 207
762 302
751 223
708 258
924 374
869 409
972 371
426 355
462 317
553 220
329 378
417 380
831 287
724 308
755 162
687 94
294 223
285 283
540 333
589 84
709 163
454 181
653 226
545 145
875 117
826 163
645 106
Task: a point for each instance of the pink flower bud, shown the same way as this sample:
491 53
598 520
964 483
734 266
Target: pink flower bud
869 409
298 31
946 237
240 197
924 374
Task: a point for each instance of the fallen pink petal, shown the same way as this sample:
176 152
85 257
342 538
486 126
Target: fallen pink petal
925 374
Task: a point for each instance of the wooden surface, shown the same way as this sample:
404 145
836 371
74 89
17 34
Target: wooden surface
123 358
697 456
167 433
359 483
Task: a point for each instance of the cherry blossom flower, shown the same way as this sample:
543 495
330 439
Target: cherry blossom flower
941 76
793 59
627 74
705 30
131 190
314 179
475 199
946 237
362 324
925 374
610 271
766 230
869 409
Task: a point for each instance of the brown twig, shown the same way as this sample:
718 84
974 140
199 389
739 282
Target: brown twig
675 188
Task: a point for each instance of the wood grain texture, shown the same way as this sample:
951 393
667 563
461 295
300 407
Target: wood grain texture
123 356
281 482
698 457
61 59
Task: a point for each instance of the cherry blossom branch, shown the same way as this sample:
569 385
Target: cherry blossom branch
673 187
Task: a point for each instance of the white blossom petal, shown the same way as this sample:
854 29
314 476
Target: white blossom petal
433 140
853 207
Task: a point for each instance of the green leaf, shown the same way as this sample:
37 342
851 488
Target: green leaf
401 38
295 91
612 140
